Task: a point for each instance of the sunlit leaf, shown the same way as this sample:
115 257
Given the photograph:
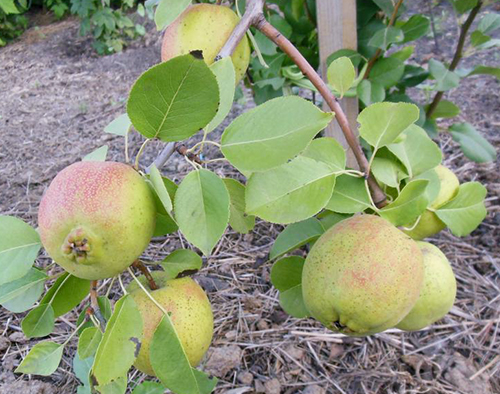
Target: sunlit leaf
89 342
149 388
349 195
341 74
327 150
20 295
66 293
43 359
226 79
167 11
408 205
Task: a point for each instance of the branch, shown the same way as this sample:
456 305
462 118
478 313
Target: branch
286 46
145 271
163 156
374 58
94 304
458 53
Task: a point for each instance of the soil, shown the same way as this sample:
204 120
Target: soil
57 95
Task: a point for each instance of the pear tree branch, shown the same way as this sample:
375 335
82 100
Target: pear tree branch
145 271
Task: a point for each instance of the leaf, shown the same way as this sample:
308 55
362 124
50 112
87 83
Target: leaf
104 306
329 219
160 188
98 155
164 225
341 74
290 193
66 293
477 39
432 189
19 246
168 11
413 76
206 384
410 203
387 6
20 295
472 143
489 23
43 359
286 276
89 341
226 79
81 368
179 261
327 150
118 348
9 7
387 71
416 151
445 79
485 70
117 386
173 100
388 171
466 211
149 388
415 27
370 92
202 209
382 123
39 322
295 235
445 109
354 56
462 6
404 53
238 219
119 126
349 195
272 133
385 37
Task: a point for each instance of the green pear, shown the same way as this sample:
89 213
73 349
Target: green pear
96 218
438 291
429 224
362 276
190 311
205 27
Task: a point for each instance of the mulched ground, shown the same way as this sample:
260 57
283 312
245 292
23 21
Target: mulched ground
56 98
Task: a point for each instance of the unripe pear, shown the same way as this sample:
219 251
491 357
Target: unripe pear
438 291
429 223
96 218
362 276
205 27
191 316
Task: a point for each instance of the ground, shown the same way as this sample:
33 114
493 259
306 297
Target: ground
57 96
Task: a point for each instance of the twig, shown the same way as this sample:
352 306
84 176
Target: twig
145 271
163 156
183 150
94 304
433 25
378 52
458 53
286 46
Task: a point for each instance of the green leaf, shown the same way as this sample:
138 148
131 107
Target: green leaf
485 70
66 293
370 92
462 6
292 302
472 143
385 37
341 74
202 209
181 260
226 79
98 155
445 79
168 11
206 384
404 53
290 193
81 368
19 246
149 388
387 6
117 386
9 7
329 219
434 185
415 27
164 225
354 56
349 195
272 133
445 109
173 100
119 345
327 150
489 23
43 359
295 235
466 211
389 172
104 306
119 126
382 123
20 295
39 322
286 276
416 151
89 341
238 219
413 76
160 188
478 38
387 71
408 205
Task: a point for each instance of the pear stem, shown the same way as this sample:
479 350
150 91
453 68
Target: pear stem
145 271
94 304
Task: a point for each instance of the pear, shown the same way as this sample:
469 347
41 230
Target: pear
362 276
429 223
438 292
205 27
191 316
96 218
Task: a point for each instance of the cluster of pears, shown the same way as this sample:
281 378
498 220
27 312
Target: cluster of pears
95 220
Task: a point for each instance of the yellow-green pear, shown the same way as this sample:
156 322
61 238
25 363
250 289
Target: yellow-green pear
205 27
190 311
429 224
438 292
362 276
